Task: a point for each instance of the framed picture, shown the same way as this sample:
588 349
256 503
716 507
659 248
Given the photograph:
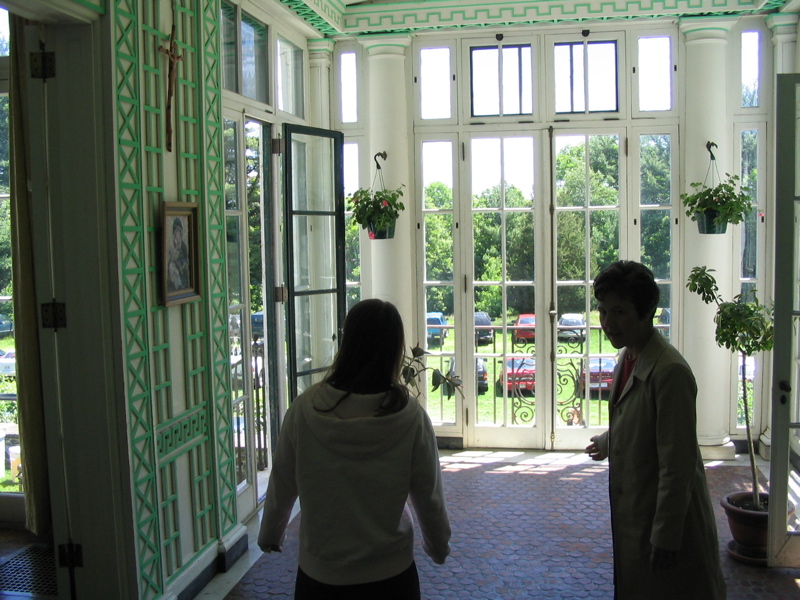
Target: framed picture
180 262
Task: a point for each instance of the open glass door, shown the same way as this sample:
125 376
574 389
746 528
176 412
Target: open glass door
784 536
314 200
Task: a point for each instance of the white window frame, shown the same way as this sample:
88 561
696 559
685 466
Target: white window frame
633 71
765 68
359 126
465 88
418 46
622 84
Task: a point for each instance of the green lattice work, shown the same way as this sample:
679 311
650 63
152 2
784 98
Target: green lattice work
174 402
134 221
216 290
310 16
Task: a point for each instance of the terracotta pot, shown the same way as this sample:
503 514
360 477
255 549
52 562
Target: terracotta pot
705 222
748 528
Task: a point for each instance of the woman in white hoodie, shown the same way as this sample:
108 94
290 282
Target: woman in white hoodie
356 448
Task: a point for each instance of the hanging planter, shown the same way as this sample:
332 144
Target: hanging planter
376 232
707 222
377 210
714 206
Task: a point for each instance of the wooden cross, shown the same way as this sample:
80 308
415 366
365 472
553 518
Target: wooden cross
172 54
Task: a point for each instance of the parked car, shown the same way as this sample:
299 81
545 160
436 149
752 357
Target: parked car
8 364
6 326
518 376
481 374
257 324
484 334
524 329
572 328
601 374
436 325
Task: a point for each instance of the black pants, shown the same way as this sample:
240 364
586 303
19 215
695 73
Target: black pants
404 586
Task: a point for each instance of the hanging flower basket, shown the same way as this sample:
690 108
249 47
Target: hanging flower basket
377 210
714 206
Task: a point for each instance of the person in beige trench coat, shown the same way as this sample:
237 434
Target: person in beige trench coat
662 521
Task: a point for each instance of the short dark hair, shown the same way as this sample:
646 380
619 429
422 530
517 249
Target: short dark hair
630 281
370 357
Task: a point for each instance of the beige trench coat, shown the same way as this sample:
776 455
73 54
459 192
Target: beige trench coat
657 483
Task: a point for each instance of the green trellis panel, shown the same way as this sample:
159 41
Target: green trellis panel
181 445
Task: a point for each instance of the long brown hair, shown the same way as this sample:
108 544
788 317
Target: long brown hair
370 357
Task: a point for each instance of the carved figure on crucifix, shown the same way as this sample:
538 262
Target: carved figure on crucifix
172 55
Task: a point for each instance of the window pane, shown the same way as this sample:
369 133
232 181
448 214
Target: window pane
512 87
655 74
486 180
485 81
602 76
352 247
434 82
255 71
750 72
349 83
231 165
229 54
290 78
234 260
568 62
437 170
749 179
655 169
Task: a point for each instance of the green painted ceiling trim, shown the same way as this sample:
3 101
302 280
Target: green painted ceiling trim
322 16
450 13
98 6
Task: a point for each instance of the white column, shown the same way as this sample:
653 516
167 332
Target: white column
784 40
393 260
706 120
319 87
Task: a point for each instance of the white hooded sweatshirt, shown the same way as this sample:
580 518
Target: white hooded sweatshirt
354 473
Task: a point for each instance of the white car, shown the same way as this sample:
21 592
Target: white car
8 364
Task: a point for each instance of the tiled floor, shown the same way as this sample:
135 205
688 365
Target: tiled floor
526 525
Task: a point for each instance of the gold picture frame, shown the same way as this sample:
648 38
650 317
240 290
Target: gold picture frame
179 253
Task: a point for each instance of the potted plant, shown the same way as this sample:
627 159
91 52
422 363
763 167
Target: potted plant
743 325
377 210
414 367
716 206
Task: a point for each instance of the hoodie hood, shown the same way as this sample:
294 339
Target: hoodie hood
352 430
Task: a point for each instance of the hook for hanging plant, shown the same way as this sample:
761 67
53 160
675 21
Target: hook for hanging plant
712 161
379 172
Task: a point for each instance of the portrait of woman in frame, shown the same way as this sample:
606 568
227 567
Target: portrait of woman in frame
180 257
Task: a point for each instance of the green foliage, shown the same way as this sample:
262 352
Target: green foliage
742 325
378 207
731 206
413 368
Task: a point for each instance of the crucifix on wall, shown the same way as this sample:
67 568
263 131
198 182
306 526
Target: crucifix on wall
172 55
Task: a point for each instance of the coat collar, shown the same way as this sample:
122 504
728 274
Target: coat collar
645 363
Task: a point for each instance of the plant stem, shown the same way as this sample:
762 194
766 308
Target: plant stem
750 446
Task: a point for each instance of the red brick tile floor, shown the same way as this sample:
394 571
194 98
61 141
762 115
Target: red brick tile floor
534 528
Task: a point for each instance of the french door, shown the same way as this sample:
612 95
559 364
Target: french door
784 536
315 270
531 219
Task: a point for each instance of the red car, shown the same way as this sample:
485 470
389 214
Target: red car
519 377
523 330
601 374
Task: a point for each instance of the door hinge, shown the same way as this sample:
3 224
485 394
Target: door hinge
466 417
281 294
54 314
43 64
278 146
70 555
